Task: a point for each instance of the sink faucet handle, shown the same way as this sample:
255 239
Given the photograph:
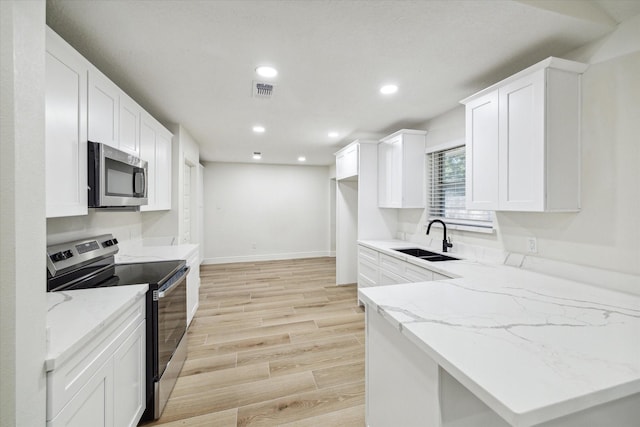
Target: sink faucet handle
446 243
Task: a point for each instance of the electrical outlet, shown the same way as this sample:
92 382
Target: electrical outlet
532 245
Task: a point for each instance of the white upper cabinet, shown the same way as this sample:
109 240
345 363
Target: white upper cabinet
155 148
104 110
347 162
65 129
401 160
114 118
82 104
482 152
523 141
129 125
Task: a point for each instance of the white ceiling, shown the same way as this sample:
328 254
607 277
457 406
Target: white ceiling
193 62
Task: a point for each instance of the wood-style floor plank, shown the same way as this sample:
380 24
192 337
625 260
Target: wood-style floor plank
273 343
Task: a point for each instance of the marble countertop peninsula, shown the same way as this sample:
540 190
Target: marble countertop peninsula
532 347
75 317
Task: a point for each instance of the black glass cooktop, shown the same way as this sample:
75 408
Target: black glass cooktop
153 273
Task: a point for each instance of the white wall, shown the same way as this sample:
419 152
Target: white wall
606 232
123 225
263 212
22 226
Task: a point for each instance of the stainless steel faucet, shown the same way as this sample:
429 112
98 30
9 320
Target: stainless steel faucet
445 242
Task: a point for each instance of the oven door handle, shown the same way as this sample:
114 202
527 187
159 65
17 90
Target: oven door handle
165 292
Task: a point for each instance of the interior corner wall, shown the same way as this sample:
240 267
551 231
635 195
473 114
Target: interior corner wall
23 303
256 212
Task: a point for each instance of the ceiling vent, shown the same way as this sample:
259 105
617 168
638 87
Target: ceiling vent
262 89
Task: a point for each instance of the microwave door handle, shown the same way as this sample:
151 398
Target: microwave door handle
139 182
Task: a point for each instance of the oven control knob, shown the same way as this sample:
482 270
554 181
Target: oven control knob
59 256
68 254
107 243
115 241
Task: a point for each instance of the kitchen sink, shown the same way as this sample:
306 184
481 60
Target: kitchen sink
426 255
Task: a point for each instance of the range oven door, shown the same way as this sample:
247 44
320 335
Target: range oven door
172 320
171 342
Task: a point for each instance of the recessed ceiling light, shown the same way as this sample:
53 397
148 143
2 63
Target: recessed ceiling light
302 159
333 134
266 71
258 129
257 155
388 89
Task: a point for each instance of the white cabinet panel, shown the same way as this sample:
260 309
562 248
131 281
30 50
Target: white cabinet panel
347 162
129 125
416 274
391 264
193 286
148 153
65 129
387 277
129 373
401 161
155 148
521 139
93 406
104 109
482 153
401 380
163 169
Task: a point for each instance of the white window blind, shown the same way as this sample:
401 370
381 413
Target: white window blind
446 190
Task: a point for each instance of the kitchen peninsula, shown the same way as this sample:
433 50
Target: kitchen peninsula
500 346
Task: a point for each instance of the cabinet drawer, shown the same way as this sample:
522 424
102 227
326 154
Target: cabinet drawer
367 254
66 380
391 264
417 274
367 272
390 278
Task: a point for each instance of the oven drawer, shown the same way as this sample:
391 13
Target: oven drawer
66 380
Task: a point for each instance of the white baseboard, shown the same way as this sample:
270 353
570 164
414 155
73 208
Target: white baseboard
267 257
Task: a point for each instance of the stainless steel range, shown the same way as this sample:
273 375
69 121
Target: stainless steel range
90 263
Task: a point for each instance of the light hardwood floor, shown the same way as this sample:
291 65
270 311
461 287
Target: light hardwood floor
273 343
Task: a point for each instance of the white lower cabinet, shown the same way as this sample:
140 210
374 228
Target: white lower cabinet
368 271
378 269
193 285
103 384
93 405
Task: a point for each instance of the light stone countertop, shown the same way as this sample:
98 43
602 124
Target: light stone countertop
75 317
531 346
131 252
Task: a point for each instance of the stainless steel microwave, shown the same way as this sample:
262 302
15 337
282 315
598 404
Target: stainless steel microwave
116 179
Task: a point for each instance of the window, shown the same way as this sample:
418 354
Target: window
446 191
